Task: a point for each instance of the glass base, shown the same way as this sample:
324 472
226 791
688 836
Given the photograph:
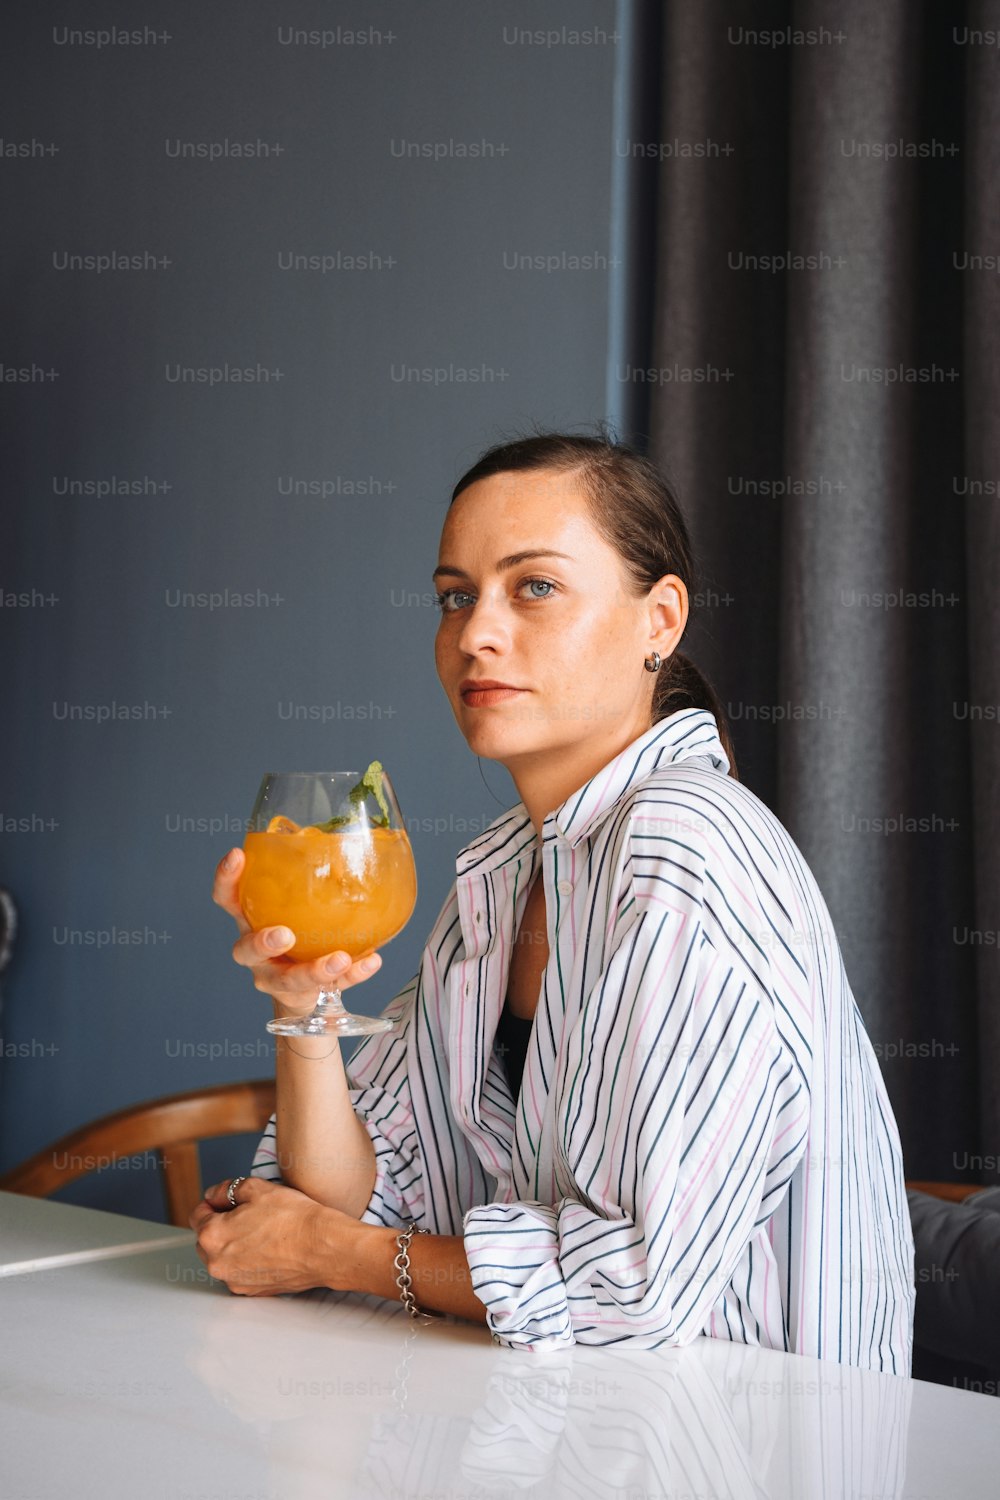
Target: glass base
330 1023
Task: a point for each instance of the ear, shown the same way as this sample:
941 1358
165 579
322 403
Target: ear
667 606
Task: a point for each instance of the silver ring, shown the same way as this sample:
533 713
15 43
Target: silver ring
231 1191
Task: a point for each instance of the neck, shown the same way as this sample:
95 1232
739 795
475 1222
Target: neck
545 778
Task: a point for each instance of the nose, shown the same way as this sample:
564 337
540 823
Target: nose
486 627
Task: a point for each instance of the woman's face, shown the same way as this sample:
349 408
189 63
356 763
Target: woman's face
565 631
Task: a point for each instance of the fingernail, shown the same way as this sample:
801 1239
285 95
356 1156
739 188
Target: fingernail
229 862
279 938
370 963
336 965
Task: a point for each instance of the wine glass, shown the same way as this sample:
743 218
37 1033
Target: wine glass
327 856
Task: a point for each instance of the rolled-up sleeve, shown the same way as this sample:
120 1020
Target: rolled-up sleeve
379 1093
681 1115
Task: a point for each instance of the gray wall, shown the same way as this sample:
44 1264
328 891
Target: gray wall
108 824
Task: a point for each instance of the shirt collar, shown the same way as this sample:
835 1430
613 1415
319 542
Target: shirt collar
689 733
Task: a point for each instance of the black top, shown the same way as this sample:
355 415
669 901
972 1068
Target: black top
511 1045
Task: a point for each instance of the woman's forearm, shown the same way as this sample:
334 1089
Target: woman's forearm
322 1147
439 1271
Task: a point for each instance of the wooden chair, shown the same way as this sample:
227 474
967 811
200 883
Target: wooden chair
171 1126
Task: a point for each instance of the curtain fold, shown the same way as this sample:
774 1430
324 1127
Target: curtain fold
981 509
822 386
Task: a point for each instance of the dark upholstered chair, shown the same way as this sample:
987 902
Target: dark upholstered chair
956 1326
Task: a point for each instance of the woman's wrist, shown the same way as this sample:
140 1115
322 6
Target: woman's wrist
354 1256
361 1257
281 1009
309 1047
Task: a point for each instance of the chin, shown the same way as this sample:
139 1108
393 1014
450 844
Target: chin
493 741
489 736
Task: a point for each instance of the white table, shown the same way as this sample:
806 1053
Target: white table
37 1234
138 1375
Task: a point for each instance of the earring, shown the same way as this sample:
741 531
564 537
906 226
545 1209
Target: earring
654 664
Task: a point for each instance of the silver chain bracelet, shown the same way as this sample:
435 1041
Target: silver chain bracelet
404 1280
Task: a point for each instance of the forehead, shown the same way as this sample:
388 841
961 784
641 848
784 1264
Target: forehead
533 508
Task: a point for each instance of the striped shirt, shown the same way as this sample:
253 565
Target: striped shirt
702 1142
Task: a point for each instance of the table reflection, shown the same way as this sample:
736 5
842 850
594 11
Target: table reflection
390 1408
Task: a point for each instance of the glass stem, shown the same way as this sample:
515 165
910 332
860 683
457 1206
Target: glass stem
328 1002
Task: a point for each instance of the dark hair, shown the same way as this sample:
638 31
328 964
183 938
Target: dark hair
634 508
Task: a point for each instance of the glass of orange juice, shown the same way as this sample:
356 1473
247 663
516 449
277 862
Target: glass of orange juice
327 855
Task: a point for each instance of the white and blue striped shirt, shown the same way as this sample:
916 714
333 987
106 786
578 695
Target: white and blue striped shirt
702 1142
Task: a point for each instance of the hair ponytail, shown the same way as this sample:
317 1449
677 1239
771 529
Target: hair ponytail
679 684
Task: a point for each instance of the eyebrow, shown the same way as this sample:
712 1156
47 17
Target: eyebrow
511 561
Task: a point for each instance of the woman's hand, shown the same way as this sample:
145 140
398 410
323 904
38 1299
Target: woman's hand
292 985
276 1240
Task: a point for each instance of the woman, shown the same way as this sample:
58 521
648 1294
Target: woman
702 1141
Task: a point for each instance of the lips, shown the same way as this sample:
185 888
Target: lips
481 684
487 690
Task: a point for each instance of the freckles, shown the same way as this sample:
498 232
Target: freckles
598 636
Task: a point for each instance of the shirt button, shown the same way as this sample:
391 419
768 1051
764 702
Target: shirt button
565 887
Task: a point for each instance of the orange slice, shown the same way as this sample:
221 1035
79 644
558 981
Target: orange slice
283 825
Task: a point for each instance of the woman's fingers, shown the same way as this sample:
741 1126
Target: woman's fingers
263 953
265 950
226 887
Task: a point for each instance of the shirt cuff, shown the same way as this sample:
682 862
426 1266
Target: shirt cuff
513 1255
265 1161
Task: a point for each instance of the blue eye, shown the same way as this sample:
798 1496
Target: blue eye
442 599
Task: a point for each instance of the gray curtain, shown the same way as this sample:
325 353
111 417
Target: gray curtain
850 623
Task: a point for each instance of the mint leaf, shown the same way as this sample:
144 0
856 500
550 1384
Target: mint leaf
370 783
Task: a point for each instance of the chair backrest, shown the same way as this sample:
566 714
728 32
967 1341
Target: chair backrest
954 1192
171 1126
956 1242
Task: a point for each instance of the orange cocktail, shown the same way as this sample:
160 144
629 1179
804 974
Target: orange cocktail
350 890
